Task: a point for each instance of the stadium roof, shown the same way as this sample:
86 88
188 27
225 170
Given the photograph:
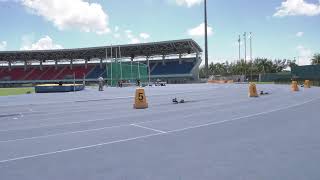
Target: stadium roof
184 46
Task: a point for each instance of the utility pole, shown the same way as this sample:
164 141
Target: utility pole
239 41
251 60
206 39
250 46
245 46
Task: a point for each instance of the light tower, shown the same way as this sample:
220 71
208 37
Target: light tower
251 60
206 39
245 46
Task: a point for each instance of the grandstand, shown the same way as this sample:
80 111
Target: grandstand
171 61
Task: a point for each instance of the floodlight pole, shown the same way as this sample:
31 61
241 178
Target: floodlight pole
245 46
120 63
206 39
131 70
239 41
116 62
251 53
149 73
106 64
139 70
111 67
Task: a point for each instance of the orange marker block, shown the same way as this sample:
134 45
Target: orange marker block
307 84
253 90
294 86
140 101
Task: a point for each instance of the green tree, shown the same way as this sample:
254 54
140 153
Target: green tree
258 66
202 73
315 59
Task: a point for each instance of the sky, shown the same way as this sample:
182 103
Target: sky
281 28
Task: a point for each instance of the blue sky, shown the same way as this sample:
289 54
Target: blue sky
281 28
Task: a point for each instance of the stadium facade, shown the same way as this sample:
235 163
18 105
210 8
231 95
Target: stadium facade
174 61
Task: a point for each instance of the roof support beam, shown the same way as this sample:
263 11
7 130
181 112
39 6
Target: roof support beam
101 63
71 64
41 68
9 65
86 63
25 65
56 64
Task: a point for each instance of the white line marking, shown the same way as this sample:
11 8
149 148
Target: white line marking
66 133
103 119
151 135
95 129
99 129
78 148
242 117
143 127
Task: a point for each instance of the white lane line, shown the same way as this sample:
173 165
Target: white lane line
102 128
80 109
105 119
98 100
66 133
156 134
91 130
78 148
83 131
143 127
242 117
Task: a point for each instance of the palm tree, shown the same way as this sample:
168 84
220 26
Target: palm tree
315 59
264 65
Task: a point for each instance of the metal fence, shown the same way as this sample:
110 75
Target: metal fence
126 72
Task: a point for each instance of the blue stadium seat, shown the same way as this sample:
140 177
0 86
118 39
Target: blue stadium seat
172 67
96 72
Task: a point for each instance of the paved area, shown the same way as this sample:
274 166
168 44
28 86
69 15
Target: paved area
219 133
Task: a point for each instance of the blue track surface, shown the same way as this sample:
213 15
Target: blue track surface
219 133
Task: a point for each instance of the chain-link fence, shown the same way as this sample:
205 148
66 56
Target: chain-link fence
126 72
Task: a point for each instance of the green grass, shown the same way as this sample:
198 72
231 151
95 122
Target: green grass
15 91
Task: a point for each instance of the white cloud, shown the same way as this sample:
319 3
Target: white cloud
128 31
304 55
199 31
135 41
144 35
117 35
188 3
300 34
45 43
71 14
3 45
297 8
129 34
116 29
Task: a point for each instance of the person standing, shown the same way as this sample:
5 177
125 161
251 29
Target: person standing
100 81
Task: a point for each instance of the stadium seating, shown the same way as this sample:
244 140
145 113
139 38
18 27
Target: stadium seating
49 73
93 71
96 72
14 74
78 71
34 73
172 67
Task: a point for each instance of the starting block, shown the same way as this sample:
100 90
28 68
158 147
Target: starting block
253 90
294 86
175 101
264 93
140 101
307 84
